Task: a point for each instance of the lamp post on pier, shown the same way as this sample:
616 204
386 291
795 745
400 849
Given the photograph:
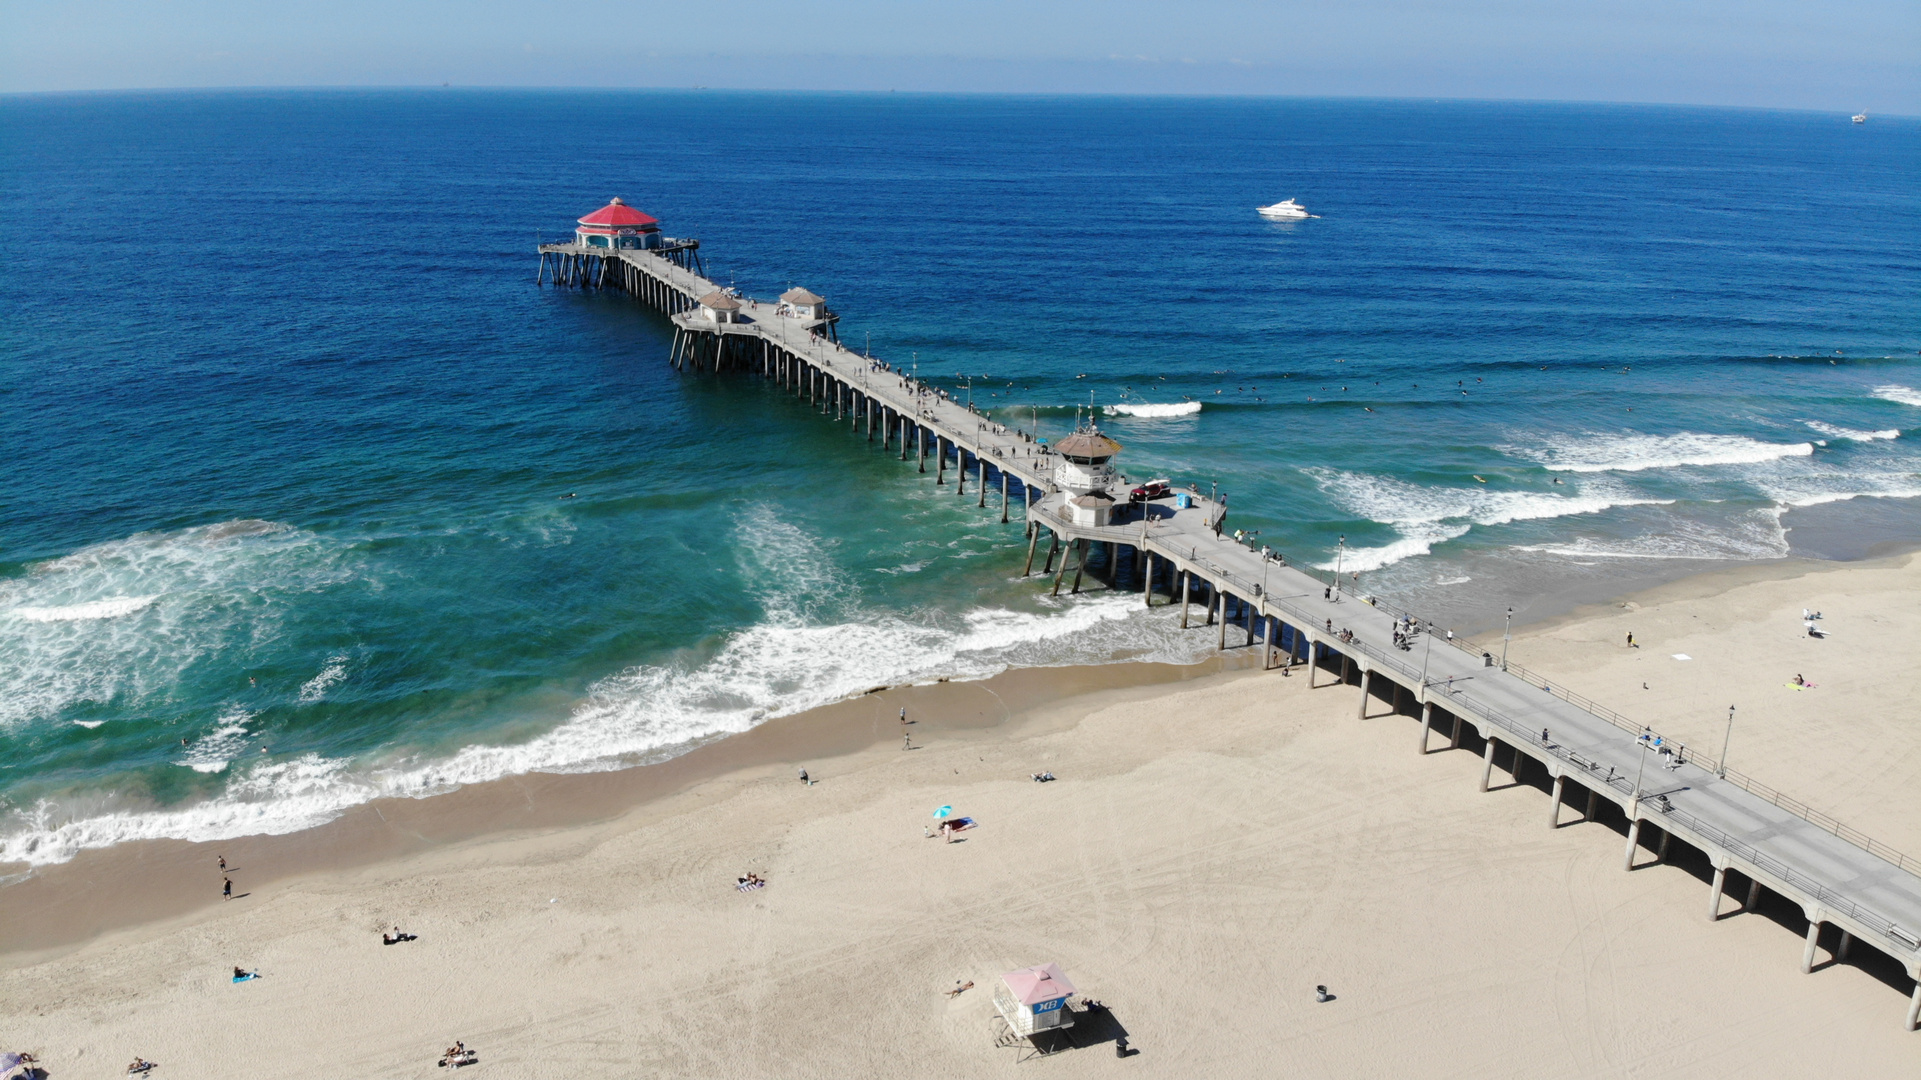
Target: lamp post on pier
1721 770
1340 553
1507 635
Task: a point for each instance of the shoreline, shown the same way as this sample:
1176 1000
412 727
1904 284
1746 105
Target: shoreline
63 906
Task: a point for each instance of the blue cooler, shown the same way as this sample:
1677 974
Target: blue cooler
1183 501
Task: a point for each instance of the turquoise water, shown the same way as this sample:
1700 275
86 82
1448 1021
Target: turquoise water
285 423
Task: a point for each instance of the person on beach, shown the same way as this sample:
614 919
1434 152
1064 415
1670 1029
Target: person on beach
903 714
1631 639
906 741
223 864
803 777
226 890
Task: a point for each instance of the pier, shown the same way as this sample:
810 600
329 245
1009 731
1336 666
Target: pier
1174 549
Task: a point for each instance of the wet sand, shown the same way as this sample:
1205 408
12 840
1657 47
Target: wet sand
1218 843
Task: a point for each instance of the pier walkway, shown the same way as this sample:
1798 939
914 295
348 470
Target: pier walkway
1838 878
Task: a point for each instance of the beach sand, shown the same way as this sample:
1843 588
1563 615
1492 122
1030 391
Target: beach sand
1213 849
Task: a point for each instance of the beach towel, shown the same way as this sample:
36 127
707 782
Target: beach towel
247 977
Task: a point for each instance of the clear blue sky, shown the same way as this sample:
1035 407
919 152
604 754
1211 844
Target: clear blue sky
1837 54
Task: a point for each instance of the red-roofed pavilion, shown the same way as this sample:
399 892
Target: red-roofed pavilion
618 225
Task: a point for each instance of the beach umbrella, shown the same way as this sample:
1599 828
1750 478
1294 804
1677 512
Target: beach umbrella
943 811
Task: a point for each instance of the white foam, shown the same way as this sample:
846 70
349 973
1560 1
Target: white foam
1425 516
110 608
1903 395
120 622
212 752
1757 534
1153 409
1834 432
1634 452
316 688
816 644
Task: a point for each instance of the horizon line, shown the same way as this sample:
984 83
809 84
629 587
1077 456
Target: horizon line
770 91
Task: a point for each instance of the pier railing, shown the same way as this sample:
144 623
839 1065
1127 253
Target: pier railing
1827 823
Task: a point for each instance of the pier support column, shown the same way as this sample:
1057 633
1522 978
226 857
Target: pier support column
1220 601
1366 677
1593 803
1247 621
1033 539
1914 1005
1634 841
1344 669
1487 764
1714 893
1053 547
1554 805
1147 590
1267 643
1754 895
1847 940
1427 721
1003 496
1454 735
940 462
1814 942
1080 564
1661 853
1187 581
980 486
1313 661
903 437
920 445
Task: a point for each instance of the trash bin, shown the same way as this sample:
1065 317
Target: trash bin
1183 501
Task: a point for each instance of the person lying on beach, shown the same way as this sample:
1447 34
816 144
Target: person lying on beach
139 1065
1043 777
960 988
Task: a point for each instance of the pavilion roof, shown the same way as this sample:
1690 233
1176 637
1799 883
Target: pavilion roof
619 213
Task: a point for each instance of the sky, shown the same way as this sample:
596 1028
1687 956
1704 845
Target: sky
1833 55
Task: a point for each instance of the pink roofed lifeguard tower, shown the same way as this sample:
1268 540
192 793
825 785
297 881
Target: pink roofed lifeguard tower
618 225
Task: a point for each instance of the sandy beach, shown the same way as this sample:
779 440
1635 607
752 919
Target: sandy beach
1218 842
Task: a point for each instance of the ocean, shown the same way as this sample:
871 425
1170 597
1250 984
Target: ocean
286 425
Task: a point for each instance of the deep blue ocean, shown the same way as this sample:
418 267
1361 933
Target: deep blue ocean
285 421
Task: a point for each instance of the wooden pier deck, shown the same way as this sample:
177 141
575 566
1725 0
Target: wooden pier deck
1839 879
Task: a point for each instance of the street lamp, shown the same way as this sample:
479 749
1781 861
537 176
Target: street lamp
1634 806
1340 553
1507 635
1721 770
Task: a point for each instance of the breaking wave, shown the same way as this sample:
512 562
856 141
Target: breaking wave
1634 452
815 644
1834 432
1149 409
1902 395
1426 516
121 622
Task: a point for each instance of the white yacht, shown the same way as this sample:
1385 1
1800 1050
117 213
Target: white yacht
1286 210
1860 118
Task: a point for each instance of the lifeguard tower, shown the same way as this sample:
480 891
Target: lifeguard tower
1033 1002
1086 462
618 225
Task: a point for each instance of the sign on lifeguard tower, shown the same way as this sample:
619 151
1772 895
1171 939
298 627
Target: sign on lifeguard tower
1034 999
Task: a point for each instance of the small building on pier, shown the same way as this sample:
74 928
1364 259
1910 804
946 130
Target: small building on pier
618 225
802 304
718 307
1095 508
1086 462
